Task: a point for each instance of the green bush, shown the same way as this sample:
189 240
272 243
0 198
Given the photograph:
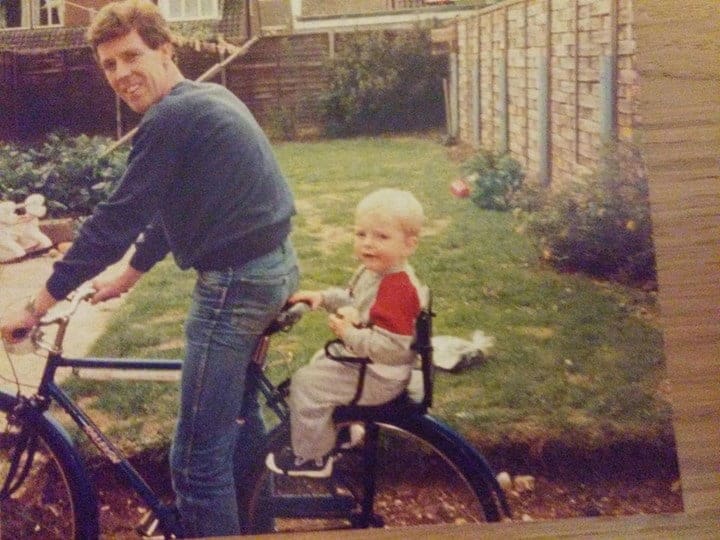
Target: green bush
381 83
66 170
282 124
600 224
494 179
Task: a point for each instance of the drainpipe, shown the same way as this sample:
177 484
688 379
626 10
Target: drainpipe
295 10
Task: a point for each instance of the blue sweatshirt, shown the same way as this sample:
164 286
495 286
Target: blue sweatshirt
202 182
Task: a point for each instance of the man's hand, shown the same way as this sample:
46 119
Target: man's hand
17 323
105 289
312 298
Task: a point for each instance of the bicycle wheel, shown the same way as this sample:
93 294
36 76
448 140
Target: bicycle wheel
45 491
424 474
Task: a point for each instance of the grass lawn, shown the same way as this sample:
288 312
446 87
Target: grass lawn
576 360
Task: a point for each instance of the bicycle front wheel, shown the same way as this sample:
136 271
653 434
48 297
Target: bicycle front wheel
400 475
44 490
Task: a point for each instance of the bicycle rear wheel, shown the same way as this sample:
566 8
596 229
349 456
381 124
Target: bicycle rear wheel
45 491
421 477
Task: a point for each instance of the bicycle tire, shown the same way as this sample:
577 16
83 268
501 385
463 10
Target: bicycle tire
57 498
456 483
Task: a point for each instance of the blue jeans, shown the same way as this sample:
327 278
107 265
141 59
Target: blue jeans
219 421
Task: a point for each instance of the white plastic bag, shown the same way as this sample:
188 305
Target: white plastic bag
452 353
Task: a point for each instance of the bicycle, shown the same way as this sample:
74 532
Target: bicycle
46 490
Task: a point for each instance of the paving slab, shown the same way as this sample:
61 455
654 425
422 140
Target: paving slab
19 281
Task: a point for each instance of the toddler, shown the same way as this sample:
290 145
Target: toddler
374 317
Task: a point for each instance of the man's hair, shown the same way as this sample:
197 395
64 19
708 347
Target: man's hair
396 203
118 19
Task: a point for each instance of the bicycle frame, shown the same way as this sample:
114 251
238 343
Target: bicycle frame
334 504
49 390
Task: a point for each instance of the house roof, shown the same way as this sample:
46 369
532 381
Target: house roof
32 39
231 26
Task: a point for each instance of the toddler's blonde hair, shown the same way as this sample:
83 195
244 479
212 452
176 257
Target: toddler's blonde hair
396 203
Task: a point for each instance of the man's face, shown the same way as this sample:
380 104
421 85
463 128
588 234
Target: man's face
141 76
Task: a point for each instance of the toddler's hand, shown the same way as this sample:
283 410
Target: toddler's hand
346 317
338 325
350 314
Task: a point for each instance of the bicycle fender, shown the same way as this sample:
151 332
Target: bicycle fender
7 401
471 455
53 431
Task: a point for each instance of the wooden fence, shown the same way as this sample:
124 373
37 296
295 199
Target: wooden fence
281 79
51 90
546 80
340 7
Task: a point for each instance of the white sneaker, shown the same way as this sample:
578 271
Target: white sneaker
287 463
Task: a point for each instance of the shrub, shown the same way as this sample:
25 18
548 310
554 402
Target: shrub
380 83
282 124
494 179
67 171
600 224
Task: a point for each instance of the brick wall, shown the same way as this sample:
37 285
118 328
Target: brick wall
502 54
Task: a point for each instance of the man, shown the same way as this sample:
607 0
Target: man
201 182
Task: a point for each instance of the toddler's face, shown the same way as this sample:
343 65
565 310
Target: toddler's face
380 243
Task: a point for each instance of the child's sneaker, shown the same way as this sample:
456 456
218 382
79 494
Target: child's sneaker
350 436
286 462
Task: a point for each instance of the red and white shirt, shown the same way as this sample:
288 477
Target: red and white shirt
388 305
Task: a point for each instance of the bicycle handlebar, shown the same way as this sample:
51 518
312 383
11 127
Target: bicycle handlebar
61 315
287 318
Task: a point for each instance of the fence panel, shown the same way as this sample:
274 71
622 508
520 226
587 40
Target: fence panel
548 80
